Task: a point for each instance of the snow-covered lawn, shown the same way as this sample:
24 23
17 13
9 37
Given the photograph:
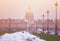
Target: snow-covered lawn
20 36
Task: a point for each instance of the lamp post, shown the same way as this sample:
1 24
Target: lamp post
9 25
36 26
47 21
43 23
56 5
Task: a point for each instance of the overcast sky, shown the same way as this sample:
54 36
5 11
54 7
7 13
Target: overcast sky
17 8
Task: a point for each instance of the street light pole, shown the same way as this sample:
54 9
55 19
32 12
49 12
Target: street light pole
9 25
47 21
56 5
43 23
36 26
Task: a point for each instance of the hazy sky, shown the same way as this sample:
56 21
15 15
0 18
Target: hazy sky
17 8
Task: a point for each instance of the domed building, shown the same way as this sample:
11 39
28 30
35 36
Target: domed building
29 15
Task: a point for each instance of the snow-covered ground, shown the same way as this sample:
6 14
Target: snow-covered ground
20 36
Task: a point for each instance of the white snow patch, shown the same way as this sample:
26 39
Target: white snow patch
20 36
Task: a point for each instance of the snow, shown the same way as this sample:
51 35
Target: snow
20 36
39 30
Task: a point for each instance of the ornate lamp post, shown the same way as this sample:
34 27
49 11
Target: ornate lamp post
47 21
36 26
9 25
56 5
43 23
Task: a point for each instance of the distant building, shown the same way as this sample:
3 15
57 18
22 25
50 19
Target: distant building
29 15
18 24
12 24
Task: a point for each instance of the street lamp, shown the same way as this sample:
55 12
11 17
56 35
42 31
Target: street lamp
56 5
36 26
43 22
47 21
9 25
